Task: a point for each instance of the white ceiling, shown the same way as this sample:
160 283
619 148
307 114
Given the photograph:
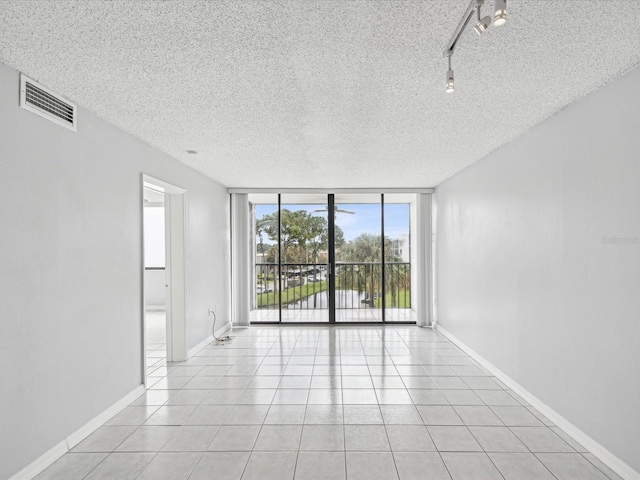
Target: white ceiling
320 93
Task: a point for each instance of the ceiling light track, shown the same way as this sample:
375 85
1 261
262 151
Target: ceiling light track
481 26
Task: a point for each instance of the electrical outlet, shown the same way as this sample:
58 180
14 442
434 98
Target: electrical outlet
212 310
215 308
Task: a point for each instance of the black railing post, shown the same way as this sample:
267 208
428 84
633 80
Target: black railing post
354 279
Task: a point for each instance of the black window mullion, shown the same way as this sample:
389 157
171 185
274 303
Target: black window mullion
384 290
332 257
279 262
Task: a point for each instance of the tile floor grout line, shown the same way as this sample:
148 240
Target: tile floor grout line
485 452
443 462
599 469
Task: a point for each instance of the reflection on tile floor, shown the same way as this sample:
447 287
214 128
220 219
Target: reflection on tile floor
328 403
155 339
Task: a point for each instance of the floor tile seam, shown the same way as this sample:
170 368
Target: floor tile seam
158 453
145 467
444 463
560 453
96 465
197 464
598 468
545 466
492 462
244 469
391 448
510 427
491 459
114 450
344 437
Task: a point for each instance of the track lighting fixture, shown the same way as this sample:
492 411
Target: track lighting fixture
450 86
500 17
482 24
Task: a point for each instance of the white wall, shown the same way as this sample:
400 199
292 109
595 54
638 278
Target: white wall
70 270
525 278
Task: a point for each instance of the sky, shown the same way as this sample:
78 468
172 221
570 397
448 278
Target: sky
366 217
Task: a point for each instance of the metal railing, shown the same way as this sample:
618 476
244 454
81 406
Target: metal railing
358 285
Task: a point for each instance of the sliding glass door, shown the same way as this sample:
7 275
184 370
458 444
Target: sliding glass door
358 272
399 258
304 239
326 258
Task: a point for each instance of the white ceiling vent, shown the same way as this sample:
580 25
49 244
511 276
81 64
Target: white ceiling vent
42 101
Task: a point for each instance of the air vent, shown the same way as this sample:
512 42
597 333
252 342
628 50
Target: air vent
42 101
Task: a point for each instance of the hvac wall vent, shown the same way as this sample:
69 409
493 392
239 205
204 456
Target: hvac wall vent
42 101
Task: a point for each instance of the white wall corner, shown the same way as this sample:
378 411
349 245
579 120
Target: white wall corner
608 458
50 456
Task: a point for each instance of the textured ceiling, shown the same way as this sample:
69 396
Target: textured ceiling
319 93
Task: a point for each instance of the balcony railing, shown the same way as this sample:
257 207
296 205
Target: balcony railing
358 285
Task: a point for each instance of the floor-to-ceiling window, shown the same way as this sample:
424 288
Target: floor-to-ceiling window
359 254
265 276
400 257
331 258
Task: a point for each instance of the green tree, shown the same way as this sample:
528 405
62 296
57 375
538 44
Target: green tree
299 231
264 225
338 237
267 224
366 250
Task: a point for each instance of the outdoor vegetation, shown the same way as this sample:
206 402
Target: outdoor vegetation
304 245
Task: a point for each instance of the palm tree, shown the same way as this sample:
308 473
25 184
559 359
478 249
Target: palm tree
397 278
365 250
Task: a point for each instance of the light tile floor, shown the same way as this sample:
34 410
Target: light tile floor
328 403
155 339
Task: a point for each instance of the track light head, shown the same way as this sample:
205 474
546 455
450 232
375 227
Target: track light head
482 25
450 86
500 16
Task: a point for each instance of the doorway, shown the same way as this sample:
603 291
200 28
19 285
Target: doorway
163 274
154 282
327 258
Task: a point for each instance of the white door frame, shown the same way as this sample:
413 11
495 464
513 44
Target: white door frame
175 271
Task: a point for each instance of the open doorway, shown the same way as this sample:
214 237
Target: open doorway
154 281
164 276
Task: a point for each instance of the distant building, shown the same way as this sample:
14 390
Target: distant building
401 247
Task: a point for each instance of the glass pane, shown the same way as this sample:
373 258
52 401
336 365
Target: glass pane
358 258
304 248
397 232
264 219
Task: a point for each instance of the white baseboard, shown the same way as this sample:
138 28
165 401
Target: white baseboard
208 340
83 432
608 458
42 462
50 456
